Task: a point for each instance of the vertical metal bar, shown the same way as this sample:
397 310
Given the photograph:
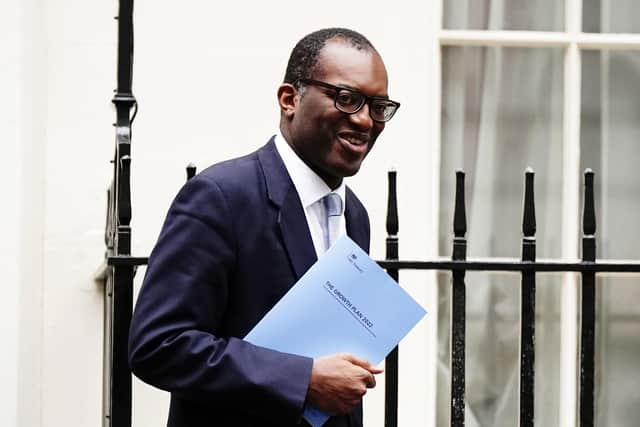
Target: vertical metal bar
458 307
587 335
391 362
119 289
120 375
124 199
109 240
122 301
125 46
528 305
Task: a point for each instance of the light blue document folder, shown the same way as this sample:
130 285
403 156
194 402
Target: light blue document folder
344 303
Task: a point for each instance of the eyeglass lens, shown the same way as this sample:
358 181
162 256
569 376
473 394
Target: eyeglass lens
350 102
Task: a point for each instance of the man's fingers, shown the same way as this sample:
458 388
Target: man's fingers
371 381
375 370
363 363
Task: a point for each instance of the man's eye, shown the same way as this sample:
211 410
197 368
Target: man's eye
348 98
379 107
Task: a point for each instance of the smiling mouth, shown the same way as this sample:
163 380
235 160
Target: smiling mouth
354 139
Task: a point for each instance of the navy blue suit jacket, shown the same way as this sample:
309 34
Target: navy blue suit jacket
234 241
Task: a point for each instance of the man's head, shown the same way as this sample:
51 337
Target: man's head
324 115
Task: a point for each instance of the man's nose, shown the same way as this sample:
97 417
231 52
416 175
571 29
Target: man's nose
362 118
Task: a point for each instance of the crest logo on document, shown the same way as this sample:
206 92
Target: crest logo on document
352 259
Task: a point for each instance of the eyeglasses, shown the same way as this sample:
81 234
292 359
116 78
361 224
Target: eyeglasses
351 101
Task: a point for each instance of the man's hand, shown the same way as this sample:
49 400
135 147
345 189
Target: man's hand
339 381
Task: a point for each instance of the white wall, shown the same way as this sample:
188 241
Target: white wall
22 213
79 66
10 213
205 75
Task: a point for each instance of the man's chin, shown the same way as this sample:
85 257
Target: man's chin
349 170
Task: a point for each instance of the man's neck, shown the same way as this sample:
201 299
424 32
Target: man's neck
332 182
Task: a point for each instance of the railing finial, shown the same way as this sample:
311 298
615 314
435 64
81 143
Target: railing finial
392 205
589 213
529 214
191 171
460 210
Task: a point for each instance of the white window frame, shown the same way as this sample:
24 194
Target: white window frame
573 41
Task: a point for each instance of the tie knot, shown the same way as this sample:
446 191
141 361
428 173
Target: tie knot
332 204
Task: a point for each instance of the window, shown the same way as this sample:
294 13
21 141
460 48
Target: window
552 85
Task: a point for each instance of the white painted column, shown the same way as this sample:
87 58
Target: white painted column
22 214
570 218
33 90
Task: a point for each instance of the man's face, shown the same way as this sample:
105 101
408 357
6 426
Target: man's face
331 142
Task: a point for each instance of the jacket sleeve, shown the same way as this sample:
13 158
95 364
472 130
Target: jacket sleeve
173 343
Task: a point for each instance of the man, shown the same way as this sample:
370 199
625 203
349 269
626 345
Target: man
242 232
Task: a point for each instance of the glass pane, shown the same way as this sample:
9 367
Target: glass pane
609 16
501 112
609 138
523 15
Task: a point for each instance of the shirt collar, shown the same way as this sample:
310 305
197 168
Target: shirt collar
309 185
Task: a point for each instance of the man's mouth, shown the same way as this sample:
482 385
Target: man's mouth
354 139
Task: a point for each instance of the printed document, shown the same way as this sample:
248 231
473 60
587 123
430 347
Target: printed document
344 303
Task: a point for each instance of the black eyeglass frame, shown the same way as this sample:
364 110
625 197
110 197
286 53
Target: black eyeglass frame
365 99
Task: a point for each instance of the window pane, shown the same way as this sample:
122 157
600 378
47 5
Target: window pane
501 112
524 15
609 16
492 370
609 137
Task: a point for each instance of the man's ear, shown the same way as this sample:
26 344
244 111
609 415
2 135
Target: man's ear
288 98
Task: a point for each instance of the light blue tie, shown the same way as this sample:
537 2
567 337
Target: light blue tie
332 207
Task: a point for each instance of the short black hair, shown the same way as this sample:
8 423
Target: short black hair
304 56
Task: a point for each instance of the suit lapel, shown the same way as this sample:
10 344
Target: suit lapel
357 222
291 219
295 233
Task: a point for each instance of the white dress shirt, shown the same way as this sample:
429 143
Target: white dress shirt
311 189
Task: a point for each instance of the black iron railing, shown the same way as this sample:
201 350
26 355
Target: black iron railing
118 277
528 267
